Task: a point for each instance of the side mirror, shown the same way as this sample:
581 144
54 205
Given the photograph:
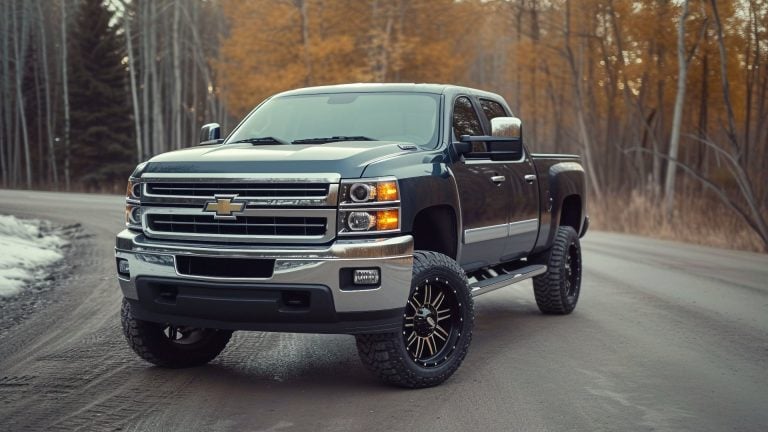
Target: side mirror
210 134
509 127
504 144
462 147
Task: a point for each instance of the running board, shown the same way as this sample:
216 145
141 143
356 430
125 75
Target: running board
502 280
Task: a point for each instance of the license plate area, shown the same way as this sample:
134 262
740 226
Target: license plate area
216 267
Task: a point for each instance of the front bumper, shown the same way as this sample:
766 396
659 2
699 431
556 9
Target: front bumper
157 291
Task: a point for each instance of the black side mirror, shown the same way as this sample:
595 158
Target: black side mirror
500 148
210 134
462 147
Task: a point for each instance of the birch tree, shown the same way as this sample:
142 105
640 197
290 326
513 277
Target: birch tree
674 140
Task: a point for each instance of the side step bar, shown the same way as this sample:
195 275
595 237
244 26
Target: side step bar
502 280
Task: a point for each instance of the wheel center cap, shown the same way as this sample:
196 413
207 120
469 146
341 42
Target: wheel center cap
424 321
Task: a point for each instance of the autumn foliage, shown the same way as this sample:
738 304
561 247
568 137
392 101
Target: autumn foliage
594 77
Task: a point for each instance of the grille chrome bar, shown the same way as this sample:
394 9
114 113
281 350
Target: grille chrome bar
242 189
264 195
254 225
241 177
235 189
243 224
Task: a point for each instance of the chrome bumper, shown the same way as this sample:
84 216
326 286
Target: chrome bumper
293 265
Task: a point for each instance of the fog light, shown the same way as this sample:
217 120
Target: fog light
123 267
366 277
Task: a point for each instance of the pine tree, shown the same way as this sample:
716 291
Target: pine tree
101 125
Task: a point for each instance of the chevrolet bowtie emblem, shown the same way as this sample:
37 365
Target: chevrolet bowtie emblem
224 206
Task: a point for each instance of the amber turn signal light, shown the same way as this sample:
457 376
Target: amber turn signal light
387 219
387 191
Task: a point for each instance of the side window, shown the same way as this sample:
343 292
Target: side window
492 109
466 122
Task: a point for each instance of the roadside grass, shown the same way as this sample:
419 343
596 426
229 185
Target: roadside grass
704 221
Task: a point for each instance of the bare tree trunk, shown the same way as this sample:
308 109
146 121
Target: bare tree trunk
157 144
146 59
580 115
703 165
381 40
65 84
39 120
20 52
307 54
7 100
47 86
132 79
731 131
176 108
674 139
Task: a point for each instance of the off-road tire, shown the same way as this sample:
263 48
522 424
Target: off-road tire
148 340
387 356
557 290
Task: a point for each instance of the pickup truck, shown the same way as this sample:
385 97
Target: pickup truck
377 210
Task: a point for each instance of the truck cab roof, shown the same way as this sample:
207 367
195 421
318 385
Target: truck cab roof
443 89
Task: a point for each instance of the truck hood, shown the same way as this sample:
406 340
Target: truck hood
348 159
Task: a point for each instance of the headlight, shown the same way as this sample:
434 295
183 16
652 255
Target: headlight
369 206
382 190
132 215
133 204
133 190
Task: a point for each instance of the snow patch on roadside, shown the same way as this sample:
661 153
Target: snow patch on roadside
27 247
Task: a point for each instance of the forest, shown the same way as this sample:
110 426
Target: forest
666 101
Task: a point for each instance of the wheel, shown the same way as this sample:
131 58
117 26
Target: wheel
170 346
437 327
557 290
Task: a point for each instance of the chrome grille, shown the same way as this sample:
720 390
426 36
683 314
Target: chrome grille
243 190
243 225
278 208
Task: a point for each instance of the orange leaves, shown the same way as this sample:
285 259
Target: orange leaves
276 45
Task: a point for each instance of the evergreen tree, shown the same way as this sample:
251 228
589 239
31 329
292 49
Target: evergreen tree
101 125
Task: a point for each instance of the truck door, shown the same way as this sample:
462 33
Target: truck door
484 187
523 193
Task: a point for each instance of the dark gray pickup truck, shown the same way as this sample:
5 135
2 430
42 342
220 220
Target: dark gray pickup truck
378 210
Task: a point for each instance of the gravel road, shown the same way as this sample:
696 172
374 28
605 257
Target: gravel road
666 336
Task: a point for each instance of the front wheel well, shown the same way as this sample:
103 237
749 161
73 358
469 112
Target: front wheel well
570 212
434 229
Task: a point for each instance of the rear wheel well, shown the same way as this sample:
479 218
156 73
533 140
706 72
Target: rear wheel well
570 212
434 229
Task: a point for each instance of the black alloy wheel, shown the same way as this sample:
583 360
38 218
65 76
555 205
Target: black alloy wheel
573 270
436 330
433 322
557 291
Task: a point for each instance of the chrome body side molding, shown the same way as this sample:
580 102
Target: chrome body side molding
475 235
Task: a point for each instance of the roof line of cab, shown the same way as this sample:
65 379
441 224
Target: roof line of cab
443 89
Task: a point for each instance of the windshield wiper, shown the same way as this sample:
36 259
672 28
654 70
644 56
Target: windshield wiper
260 140
332 139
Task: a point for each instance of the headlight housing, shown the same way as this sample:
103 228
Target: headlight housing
383 190
369 206
133 204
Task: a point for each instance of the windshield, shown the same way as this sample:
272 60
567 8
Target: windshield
315 119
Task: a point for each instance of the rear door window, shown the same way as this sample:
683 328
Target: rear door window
492 109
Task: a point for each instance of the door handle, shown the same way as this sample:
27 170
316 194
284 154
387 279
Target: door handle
530 178
498 179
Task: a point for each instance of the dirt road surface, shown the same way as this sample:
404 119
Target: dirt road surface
666 336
